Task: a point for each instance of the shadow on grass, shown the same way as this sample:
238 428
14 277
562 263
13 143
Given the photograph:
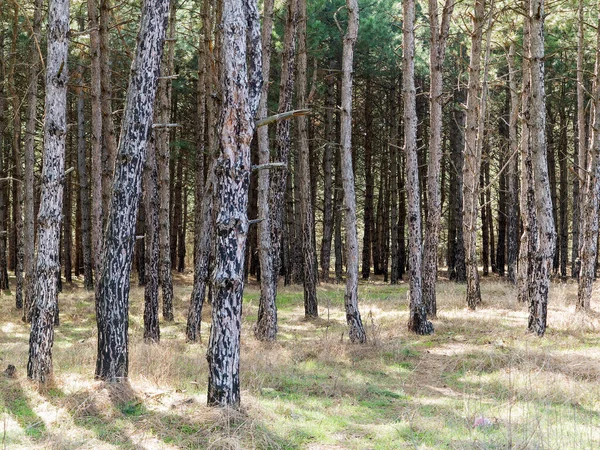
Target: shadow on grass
16 403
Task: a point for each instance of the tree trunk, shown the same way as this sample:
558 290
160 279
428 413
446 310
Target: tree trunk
3 174
417 321
356 331
67 224
328 169
393 150
163 152
472 157
485 229
112 294
512 175
241 94
589 239
28 179
546 241
309 251
338 215
563 181
151 257
45 306
96 138
438 37
369 182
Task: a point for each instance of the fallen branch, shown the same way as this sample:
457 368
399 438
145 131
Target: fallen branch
282 116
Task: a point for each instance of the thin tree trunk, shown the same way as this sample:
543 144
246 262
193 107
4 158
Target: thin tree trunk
356 331
3 186
96 138
241 94
112 294
417 321
45 306
369 182
564 194
393 151
309 251
512 175
472 157
438 37
28 179
67 224
589 239
338 215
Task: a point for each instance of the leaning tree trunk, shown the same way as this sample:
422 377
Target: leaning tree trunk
28 185
45 306
112 294
546 242
309 251
356 331
439 35
589 238
472 160
417 321
241 94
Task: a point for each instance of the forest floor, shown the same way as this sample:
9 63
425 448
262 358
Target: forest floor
479 382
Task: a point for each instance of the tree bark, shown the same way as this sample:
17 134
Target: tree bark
45 307
309 251
589 240
3 186
356 331
369 182
393 150
241 94
512 175
112 294
438 37
417 321
546 241
472 157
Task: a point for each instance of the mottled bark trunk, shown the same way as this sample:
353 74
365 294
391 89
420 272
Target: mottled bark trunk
589 240
112 294
163 151
28 179
356 331
438 37
241 94
96 137
512 174
45 306
417 321
328 169
546 242
84 192
472 157
309 251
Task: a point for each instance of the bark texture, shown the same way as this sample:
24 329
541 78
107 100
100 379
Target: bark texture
45 306
112 294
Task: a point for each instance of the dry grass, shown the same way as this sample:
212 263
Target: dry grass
313 389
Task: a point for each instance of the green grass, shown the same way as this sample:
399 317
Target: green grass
312 388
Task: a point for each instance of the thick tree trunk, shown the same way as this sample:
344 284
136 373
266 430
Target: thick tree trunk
438 37
309 251
163 115
472 157
356 331
45 306
241 94
546 241
417 321
112 294
28 179
589 239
